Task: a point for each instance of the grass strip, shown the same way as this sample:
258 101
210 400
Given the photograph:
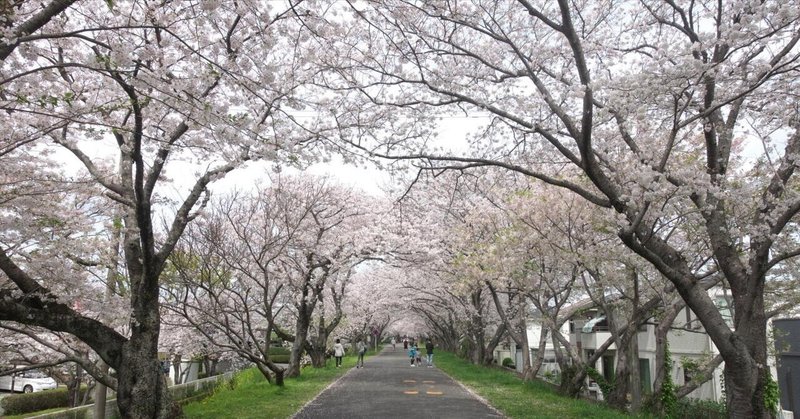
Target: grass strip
517 399
27 415
251 396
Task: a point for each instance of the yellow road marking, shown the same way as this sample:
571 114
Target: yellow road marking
434 393
429 382
409 381
411 392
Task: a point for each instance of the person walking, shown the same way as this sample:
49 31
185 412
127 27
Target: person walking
362 350
429 352
405 343
338 352
412 353
394 344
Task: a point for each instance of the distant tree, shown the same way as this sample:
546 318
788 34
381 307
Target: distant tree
280 262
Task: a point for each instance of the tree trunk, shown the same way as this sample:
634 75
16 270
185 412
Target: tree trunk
527 370
488 352
568 370
519 330
636 378
279 376
662 328
142 388
318 358
140 380
300 336
537 362
76 399
319 345
272 371
745 373
572 380
176 367
617 398
100 393
73 386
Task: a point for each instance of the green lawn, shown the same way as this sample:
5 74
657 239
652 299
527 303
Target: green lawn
506 392
27 415
253 397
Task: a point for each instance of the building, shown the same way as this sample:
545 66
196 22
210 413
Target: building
689 344
587 330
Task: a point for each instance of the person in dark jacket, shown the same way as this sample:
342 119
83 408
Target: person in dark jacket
361 347
429 352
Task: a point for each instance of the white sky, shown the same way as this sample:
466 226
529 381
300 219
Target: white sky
453 133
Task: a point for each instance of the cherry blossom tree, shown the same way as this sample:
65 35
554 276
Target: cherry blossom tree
633 106
296 245
374 302
339 230
444 216
136 93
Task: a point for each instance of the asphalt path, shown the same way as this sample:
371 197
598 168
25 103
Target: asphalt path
388 387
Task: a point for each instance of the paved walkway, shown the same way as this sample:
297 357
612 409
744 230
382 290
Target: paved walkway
388 387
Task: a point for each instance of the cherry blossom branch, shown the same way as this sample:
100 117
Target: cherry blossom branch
33 24
478 162
68 356
34 310
117 189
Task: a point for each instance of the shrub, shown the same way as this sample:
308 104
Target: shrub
17 404
552 377
606 386
508 363
701 409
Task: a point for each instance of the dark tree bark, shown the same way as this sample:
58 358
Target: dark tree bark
317 347
536 365
176 368
515 326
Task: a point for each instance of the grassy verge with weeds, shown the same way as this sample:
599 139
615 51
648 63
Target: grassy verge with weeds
251 396
516 399
27 415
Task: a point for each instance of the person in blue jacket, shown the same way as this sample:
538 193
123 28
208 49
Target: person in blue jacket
412 353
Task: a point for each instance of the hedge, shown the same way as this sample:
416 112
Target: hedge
181 394
279 359
279 354
17 404
279 350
